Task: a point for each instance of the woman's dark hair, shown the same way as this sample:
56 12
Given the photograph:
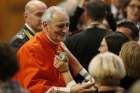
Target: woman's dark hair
8 62
114 41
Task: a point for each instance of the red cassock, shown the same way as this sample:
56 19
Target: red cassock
36 58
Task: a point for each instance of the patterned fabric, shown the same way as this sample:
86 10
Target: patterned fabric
11 87
21 37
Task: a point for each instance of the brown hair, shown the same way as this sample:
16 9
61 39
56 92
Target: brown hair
130 54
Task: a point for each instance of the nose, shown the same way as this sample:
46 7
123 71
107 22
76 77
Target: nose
99 49
65 29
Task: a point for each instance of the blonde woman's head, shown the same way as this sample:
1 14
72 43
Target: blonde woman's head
107 68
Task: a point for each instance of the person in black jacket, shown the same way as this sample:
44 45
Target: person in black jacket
84 45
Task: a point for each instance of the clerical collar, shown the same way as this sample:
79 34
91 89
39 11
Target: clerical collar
29 28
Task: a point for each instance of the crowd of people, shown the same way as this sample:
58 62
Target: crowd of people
78 46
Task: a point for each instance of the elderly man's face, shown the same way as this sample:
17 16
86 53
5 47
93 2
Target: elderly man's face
58 27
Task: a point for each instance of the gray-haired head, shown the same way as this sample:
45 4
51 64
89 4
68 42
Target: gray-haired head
55 23
50 12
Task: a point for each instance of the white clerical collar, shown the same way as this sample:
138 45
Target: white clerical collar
29 28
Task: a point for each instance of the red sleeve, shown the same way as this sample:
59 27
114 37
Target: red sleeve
31 74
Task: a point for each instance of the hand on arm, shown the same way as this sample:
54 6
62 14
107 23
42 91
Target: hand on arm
62 67
76 67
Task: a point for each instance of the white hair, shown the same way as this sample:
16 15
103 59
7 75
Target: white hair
107 67
48 15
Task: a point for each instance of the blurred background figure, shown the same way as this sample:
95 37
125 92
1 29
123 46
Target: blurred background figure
107 69
79 18
8 67
132 12
78 14
112 42
130 54
116 8
34 10
129 29
84 45
135 88
12 16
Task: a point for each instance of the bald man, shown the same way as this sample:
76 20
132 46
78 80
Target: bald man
34 10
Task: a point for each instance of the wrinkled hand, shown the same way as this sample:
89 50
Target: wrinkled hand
82 88
60 65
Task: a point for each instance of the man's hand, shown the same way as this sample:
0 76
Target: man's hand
82 88
60 65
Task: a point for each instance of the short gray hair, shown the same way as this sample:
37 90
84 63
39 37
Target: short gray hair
48 15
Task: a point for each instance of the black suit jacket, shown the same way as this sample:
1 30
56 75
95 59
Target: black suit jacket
84 46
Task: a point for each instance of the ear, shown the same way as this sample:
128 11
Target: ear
44 24
25 15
